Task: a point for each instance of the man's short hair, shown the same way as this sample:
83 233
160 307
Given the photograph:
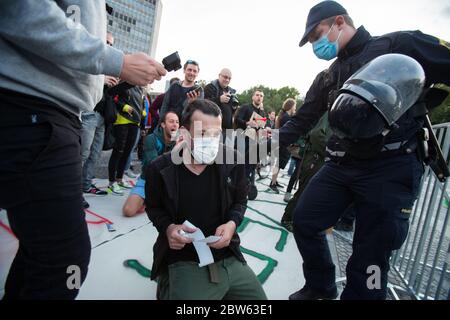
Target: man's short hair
203 105
258 90
195 63
164 116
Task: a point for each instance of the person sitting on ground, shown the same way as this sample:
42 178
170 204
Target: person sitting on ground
212 196
155 144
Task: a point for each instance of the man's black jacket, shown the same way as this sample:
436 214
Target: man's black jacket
245 113
213 91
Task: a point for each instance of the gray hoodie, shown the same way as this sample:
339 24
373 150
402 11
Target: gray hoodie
46 53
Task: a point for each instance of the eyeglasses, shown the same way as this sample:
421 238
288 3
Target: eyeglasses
226 77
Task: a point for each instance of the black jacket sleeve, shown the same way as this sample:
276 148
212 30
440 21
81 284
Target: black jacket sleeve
121 88
211 94
308 115
242 117
154 190
237 210
432 53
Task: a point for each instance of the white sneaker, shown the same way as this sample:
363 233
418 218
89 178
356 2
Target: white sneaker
125 184
131 174
287 197
115 189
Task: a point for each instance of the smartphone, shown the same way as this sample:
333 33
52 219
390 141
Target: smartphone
197 88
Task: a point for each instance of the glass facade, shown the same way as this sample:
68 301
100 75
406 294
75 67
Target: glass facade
135 24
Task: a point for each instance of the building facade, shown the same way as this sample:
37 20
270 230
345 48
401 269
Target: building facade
135 24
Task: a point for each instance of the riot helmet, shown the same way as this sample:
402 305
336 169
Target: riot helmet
376 96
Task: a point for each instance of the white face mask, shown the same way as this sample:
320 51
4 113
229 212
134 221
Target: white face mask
206 149
174 135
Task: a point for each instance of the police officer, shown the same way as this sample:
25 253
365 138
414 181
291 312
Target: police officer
380 174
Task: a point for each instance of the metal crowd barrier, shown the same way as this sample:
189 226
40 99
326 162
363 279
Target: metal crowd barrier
423 262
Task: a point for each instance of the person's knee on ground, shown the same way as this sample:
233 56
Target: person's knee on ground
133 206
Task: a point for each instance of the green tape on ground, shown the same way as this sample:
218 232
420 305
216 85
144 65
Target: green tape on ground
268 201
136 265
283 237
269 268
264 215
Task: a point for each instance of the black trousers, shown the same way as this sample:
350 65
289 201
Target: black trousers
383 192
125 135
294 175
40 188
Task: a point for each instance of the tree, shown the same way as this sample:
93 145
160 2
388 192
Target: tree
441 113
273 98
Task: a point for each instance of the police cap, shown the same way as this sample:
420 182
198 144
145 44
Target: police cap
319 12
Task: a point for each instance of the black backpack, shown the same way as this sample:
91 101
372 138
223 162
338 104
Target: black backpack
109 109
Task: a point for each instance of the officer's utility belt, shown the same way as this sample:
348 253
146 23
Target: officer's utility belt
401 147
389 149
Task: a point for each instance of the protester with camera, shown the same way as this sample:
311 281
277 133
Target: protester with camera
224 96
180 94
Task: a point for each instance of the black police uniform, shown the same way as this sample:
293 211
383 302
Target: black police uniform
380 176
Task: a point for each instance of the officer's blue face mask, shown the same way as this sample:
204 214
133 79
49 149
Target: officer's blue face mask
324 48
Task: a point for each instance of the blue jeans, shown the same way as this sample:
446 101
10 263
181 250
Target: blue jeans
92 136
292 165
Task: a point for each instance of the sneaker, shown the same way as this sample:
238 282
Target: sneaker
274 188
115 189
95 191
85 204
287 197
343 226
279 185
306 293
125 184
131 174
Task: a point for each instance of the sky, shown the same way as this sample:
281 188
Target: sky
258 39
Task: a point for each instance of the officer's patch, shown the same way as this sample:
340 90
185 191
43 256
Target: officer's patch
406 211
444 43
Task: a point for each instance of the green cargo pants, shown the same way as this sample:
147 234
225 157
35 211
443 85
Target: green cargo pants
228 279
